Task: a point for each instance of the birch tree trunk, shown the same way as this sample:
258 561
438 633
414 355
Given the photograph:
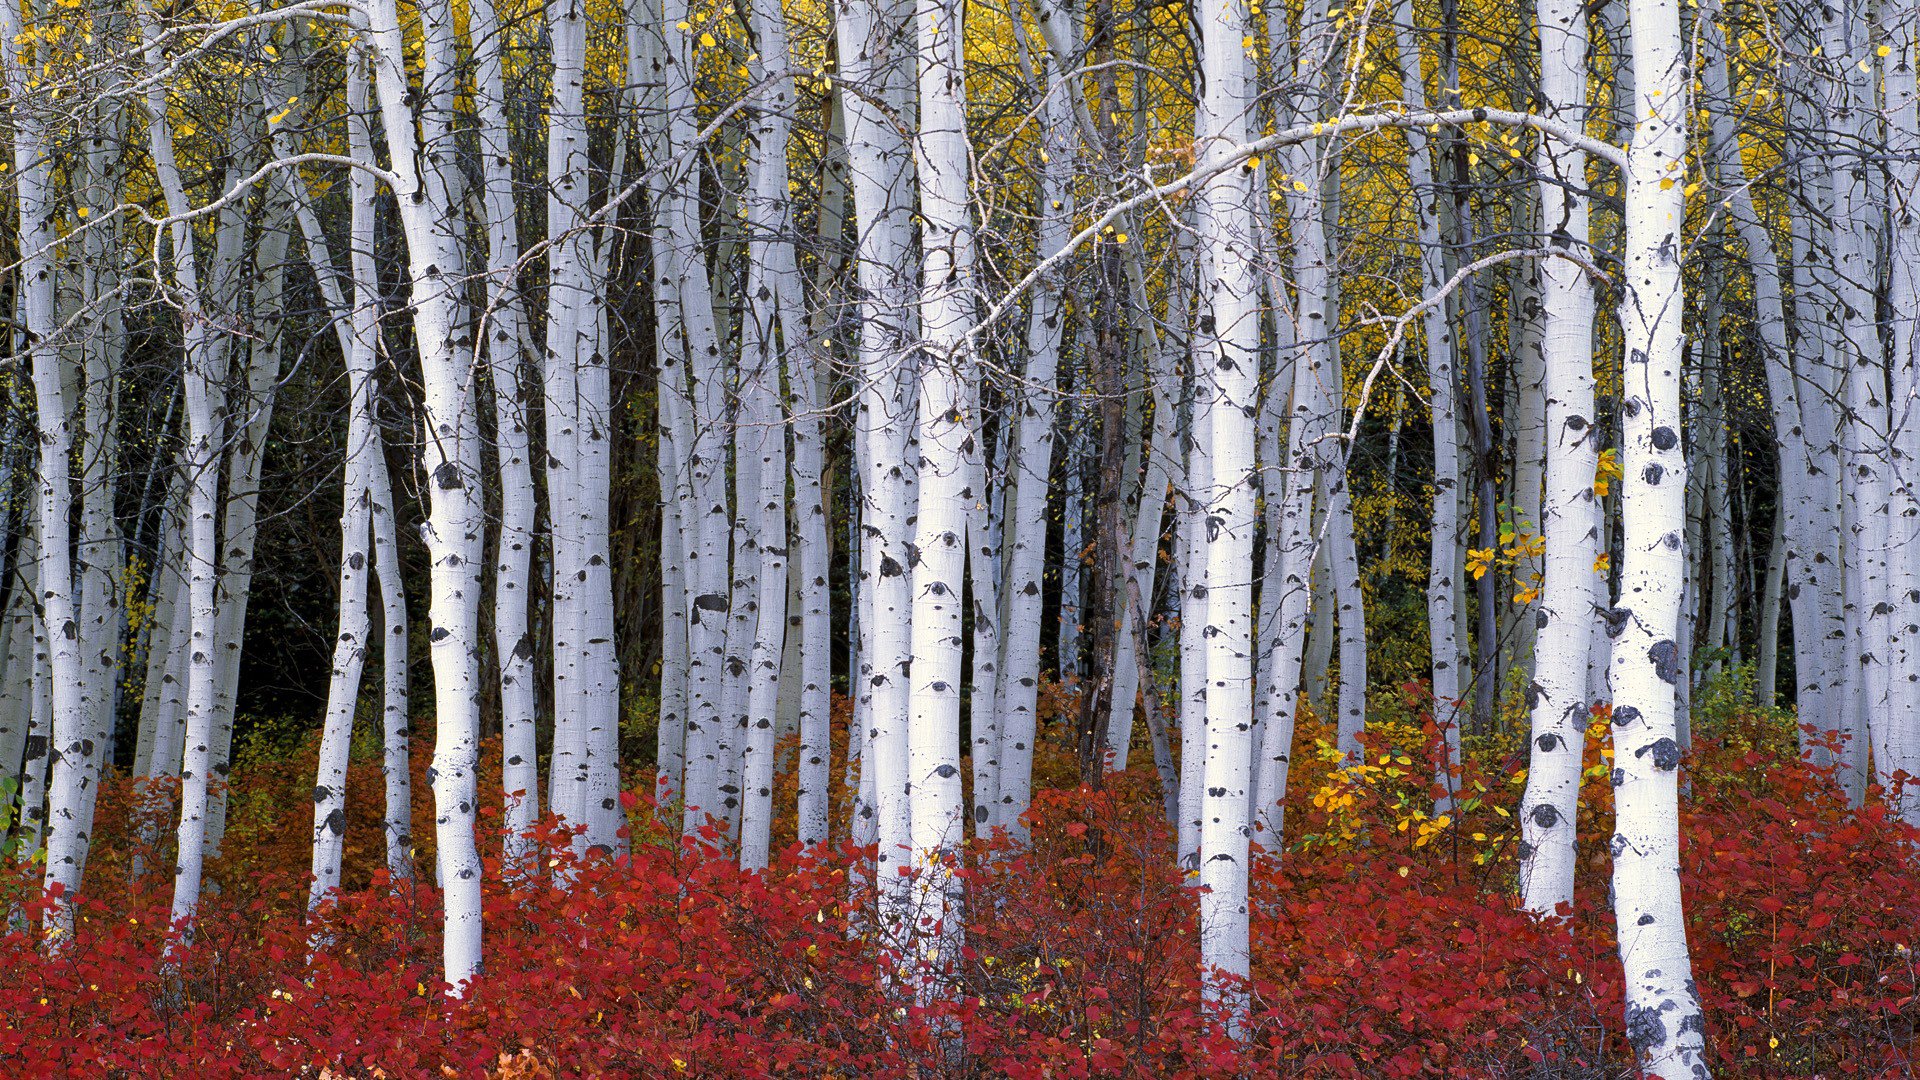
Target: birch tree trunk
503 330
205 435
578 398
1229 353
422 177
948 437
1570 514
870 37
1902 112
763 431
75 770
1664 1022
1006 742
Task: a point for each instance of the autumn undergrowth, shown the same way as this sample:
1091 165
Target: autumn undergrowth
1386 943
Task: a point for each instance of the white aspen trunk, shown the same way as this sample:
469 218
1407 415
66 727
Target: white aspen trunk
947 439
1294 548
18 620
763 436
744 601
1443 618
1663 1017
1526 423
879 161
431 225
1193 612
101 556
566 313
356 330
705 511
169 709
1851 269
804 350
354 302
1718 598
1228 351
986 491
768 445
1073 543
1321 629
1344 563
1004 744
205 434
647 56
578 399
1144 547
166 579
1808 491
864 817
16 681
1766 678
349 652
1902 112
249 420
225 275
396 733
1570 515
33 764
75 770
502 332
813 553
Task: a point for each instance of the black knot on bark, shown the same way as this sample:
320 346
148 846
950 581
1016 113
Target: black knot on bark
1666 754
1666 661
1645 1027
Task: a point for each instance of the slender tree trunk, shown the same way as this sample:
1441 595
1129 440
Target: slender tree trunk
872 64
1570 514
1229 352
1664 1022
502 332
947 438
76 768
1443 619
431 225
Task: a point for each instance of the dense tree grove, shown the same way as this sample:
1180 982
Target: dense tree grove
941 538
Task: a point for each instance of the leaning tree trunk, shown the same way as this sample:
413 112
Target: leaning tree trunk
205 435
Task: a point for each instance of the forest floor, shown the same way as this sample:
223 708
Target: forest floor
1386 943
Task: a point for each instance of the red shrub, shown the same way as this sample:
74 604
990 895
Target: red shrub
1377 956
